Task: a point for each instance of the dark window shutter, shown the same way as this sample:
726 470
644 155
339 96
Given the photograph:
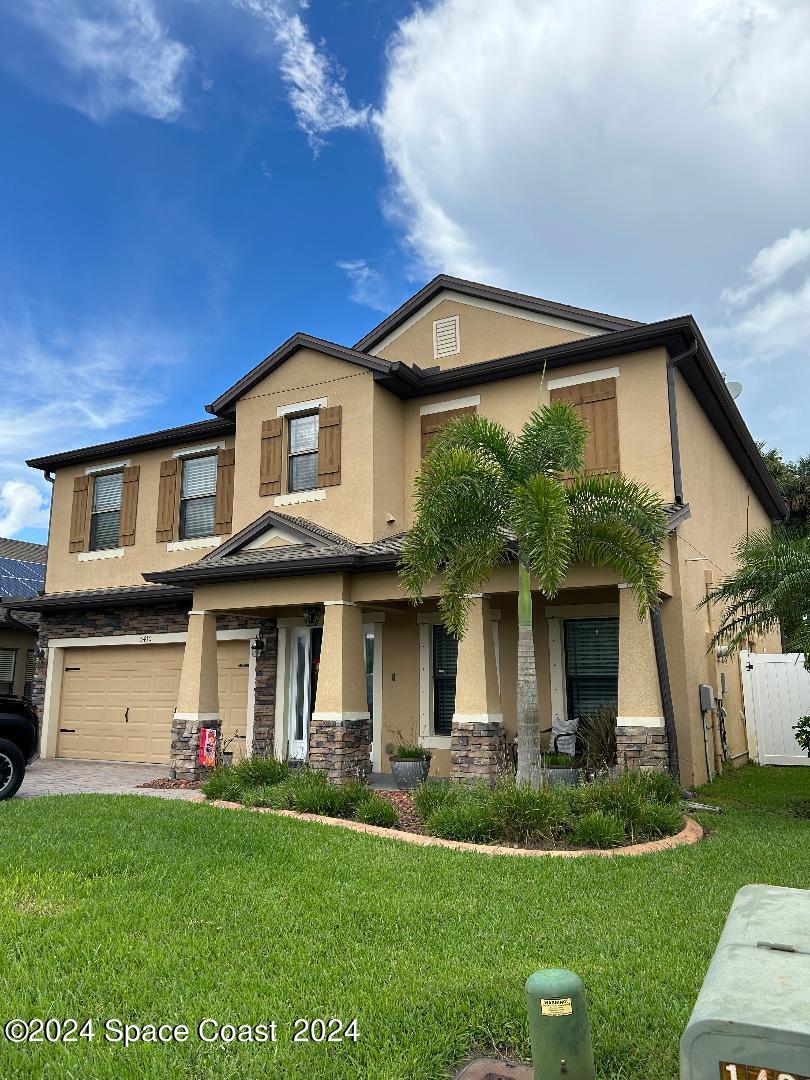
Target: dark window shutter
596 404
167 502
129 505
329 425
434 422
223 512
78 513
271 457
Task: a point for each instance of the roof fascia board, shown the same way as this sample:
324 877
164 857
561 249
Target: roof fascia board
322 564
498 306
251 532
138 596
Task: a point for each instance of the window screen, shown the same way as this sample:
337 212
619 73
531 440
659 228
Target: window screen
591 664
7 659
445 660
198 497
105 524
303 451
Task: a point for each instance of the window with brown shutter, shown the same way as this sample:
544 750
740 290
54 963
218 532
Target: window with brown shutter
329 433
596 404
129 505
434 422
78 513
166 529
272 458
223 513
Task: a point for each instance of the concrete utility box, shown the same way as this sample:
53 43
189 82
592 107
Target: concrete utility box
751 1020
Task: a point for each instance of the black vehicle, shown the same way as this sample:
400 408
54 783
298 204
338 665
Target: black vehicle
19 732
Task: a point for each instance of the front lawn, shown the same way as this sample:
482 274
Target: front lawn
143 910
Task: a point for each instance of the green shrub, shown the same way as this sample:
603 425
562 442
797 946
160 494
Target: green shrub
312 793
596 738
428 797
221 783
262 795
469 818
659 787
598 830
629 796
377 811
523 815
659 819
253 771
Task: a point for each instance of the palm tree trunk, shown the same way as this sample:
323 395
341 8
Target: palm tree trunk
528 714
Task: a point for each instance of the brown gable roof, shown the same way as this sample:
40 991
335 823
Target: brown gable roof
488 292
23 551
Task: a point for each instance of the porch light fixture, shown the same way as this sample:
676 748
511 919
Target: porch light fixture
40 653
310 615
257 647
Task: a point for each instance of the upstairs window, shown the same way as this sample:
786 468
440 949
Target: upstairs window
105 518
303 452
198 492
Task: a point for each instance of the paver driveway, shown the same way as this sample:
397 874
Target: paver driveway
60 776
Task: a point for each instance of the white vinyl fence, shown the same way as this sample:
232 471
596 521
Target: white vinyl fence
776 691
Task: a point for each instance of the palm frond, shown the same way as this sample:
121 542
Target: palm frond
541 519
486 439
552 441
619 498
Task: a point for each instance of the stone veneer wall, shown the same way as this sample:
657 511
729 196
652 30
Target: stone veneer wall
340 748
477 751
165 619
644 748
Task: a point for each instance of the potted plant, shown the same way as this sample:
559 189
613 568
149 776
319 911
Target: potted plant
560 769
410 763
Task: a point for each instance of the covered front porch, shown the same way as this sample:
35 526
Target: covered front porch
349 669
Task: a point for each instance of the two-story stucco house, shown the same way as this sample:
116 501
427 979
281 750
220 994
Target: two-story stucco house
241 572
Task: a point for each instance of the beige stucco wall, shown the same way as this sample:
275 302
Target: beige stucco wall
67 573
483 334
21 642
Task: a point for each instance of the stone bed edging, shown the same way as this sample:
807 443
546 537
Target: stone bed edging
691 833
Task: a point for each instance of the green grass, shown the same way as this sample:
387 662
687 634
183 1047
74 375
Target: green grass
768 787
142 909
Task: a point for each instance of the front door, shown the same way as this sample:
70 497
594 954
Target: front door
305 655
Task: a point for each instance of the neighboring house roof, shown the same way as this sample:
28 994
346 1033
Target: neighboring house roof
474 289
201 429
23 550
20 579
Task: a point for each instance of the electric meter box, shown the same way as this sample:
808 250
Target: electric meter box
751 1020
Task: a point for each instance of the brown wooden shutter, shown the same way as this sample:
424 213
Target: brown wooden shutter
224 501
329 426
78 514
167 502
596 404
271 457
434 422
129 506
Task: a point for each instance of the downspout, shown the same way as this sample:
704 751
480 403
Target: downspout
672 363
666 692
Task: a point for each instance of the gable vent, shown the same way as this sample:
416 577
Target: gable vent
445 337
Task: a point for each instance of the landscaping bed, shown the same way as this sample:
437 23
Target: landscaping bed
630 809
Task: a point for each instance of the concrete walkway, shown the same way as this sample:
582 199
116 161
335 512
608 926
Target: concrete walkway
61 776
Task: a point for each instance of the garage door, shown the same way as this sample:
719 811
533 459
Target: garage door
118 701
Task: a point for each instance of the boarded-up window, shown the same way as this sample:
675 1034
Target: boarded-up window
272 458
596 404
329 434
433 422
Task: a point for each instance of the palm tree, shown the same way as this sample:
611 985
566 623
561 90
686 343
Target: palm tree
484 496
769 591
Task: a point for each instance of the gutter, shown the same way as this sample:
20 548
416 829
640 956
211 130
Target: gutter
672 363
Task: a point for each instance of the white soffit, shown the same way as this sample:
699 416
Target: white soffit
487 305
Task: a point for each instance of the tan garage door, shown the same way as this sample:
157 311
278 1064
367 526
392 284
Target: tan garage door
118 701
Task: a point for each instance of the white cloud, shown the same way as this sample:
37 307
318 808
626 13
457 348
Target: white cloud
314 85
22 506
578 148
368 285
115 56
770 265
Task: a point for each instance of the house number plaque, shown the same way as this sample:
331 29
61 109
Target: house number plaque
730 1071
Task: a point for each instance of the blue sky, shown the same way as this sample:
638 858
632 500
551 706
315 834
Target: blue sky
187 182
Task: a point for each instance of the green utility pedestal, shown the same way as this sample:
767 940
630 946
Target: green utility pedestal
558 1026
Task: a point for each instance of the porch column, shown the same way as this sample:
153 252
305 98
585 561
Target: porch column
477 745
198 697
641 739
340 728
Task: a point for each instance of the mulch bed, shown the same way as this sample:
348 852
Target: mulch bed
402 802
163 783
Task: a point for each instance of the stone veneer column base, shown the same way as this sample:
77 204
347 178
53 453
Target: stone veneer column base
643 748
477 750
186 742
340 746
